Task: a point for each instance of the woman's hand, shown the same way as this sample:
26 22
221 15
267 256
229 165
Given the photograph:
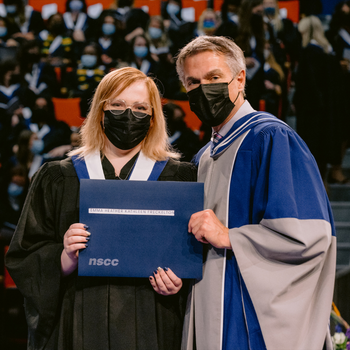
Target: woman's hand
74 239
165 282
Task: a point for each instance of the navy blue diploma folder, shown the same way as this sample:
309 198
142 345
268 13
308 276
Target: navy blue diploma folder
137 226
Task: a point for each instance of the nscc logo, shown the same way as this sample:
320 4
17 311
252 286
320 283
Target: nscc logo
103 262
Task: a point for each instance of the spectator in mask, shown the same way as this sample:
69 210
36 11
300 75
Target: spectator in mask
16 103
140 56
180 32
273 80
57 46
181 137
83 80
158 38
24 21
229 18
109 37
39 76
49 133
251 39
76 19
208 23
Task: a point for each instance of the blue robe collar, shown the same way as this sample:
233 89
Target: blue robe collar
238 128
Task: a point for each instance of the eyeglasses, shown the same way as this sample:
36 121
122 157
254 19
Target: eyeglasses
138 109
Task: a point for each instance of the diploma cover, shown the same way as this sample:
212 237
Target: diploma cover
137 226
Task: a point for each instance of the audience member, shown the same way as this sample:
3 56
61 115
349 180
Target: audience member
25 22
49 132
251 40
140 55
316 96
76 20
57 46
181 137
39 76
83 80
274 78
180 31
229 19
208 23
109 35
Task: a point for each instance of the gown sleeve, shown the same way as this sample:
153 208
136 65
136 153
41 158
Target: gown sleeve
34 256
286 255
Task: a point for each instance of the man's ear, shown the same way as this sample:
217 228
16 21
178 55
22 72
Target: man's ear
241 80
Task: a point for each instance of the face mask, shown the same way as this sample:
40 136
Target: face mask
37 147
76 5
3 32
57 28
208 24
125 131
141 51
11 9
33 57
88 61
173 9
108 28
270 11
39 116
155 33
15 79
211 103
14 190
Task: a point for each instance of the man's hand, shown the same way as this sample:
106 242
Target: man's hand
207 228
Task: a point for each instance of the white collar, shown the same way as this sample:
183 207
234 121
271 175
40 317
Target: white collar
345 35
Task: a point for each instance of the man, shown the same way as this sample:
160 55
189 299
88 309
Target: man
269 267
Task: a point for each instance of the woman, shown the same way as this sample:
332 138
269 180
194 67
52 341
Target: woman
140 56
65 311
318 95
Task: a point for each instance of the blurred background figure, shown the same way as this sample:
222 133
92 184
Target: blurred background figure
273 80
251 39
76 20
57 47
109 36
317 95
181 137
341 46
82 81
39 76
229 18
140 56
180 31
208 23
158 38
16 103
49 133
24 21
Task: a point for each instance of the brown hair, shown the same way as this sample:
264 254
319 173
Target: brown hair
155 145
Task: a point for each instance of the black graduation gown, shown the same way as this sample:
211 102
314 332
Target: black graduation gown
85 312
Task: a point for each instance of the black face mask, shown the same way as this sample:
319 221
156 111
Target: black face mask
125 131
211 103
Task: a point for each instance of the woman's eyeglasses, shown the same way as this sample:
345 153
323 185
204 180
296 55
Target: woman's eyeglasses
138 109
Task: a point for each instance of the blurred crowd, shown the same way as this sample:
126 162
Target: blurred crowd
67 54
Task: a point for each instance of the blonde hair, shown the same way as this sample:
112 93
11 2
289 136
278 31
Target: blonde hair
311 28
155 145
200 24
276 19
217 44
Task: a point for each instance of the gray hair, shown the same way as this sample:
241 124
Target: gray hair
218 44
